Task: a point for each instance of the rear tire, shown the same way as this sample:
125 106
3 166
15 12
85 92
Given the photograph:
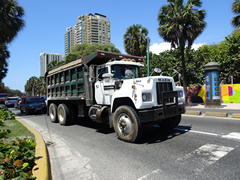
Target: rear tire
126 124
170 123
64 115
53 113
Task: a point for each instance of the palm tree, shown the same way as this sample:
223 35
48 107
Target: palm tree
236 9
180 23
52 64
31 84
10 21
4 54
135 40
41 86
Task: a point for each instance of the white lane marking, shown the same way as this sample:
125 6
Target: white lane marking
205 156
149 174
233 135
199 132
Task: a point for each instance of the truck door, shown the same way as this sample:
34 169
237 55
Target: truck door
99 87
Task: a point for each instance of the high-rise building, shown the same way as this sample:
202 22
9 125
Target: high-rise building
46 58
69 39
90 29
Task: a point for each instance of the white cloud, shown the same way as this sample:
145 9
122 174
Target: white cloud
157 48
196 46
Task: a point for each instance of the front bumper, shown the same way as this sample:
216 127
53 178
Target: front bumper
166 111
158 114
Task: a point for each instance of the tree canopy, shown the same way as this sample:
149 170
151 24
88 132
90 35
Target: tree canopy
225 53
135 40
11 23
35 86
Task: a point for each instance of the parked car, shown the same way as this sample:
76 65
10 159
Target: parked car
33 105
10 101
16 104
44 97
20 102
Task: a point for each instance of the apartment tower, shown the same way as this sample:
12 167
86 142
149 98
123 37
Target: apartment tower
90 29
69 39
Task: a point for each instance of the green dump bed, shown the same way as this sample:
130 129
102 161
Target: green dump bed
70 80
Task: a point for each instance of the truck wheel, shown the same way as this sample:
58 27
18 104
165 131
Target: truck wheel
170 123
64 117
53 113
126 124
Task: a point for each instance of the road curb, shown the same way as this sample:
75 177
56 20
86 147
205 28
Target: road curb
189 112
217 114
235 115
42 168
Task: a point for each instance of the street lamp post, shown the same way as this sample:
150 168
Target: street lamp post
148 68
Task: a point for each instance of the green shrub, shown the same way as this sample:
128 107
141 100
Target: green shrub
17 159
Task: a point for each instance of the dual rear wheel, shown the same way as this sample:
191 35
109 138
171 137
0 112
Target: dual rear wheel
62 114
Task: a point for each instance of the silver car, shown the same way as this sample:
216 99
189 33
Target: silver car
10 101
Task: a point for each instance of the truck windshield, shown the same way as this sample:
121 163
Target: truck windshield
125 71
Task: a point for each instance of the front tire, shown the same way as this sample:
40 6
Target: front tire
170 123
126 124
53 113
64 116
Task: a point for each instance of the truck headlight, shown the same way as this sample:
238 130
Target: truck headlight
146 97
180 93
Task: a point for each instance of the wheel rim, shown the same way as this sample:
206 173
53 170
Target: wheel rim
52 114
61 115
124 124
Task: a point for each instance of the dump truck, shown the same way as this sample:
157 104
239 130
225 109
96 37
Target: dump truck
109 88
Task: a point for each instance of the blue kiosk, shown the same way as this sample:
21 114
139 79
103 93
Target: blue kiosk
213 99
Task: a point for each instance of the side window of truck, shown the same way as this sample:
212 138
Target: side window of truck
101 72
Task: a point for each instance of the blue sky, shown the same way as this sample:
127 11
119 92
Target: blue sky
47 20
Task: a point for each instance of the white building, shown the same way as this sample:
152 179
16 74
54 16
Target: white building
46 58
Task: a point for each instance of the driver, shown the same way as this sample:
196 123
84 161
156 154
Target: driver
128 73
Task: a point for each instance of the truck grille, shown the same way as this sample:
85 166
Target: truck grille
164 87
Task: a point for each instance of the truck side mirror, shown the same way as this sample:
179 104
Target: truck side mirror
91 80
107 75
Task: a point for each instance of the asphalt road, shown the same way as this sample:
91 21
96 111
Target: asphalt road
199 148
